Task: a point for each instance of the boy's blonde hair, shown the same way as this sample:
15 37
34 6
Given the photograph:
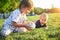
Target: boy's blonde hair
26 3
44 15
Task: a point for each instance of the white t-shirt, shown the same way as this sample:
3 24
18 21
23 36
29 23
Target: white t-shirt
15 16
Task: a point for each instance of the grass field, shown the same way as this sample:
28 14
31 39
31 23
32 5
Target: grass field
53 33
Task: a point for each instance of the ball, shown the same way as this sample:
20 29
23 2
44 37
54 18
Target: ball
31 25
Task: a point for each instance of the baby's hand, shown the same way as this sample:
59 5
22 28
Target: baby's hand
46 28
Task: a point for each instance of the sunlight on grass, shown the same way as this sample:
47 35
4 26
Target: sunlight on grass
53 33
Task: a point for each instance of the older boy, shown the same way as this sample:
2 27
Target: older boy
17 18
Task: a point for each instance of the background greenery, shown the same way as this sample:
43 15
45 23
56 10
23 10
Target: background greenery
7 6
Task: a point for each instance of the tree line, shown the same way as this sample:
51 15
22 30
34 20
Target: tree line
10 5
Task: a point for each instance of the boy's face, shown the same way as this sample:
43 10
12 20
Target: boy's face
42 19
25 10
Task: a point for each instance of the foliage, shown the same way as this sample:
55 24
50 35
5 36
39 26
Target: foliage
8 5
38 10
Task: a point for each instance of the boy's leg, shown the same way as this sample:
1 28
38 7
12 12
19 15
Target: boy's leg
21 29
6 30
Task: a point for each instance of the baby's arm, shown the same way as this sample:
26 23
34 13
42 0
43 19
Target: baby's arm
46 27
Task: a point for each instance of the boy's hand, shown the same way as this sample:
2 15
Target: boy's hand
28 28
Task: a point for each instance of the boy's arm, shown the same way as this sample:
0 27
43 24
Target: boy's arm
20 25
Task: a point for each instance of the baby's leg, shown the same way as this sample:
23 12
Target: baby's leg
6 30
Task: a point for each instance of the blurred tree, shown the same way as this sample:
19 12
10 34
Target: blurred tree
4 4
14 4
38 10
8 5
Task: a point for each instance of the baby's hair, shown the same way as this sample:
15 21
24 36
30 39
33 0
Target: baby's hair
45 15
26 3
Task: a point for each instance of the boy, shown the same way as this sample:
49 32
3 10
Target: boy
17 18
42 21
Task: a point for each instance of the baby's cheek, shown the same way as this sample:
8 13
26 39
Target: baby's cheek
43 21
40 20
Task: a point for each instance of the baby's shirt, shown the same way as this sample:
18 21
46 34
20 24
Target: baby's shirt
38 24
16 16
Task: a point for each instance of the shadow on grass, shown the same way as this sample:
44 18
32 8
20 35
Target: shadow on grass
53 36
2 38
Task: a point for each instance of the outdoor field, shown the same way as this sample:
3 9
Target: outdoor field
53 32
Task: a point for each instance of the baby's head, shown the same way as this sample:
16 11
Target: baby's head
43 18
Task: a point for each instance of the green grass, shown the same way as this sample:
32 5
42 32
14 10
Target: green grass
53 33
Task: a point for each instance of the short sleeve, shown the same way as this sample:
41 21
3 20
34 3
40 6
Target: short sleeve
15 15
38 24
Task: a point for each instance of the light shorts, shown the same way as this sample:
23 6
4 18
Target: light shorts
7 29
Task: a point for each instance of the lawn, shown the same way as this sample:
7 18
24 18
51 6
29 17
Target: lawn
53 33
